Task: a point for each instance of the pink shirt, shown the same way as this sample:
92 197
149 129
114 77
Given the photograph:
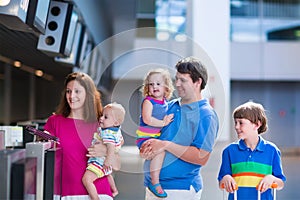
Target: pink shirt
75 137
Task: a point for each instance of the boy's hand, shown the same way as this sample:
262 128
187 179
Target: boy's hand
265 183
228 183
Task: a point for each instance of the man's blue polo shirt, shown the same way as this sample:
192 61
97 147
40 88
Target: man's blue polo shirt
249 167
194 124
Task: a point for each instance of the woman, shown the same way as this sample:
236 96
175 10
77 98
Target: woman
74 123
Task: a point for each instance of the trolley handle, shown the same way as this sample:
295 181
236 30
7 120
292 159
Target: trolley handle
273 186
235 186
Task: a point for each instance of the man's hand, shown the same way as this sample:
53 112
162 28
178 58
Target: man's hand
146 151
152 147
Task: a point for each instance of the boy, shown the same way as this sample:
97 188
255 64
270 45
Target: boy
252 161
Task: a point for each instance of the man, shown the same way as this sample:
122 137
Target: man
188 140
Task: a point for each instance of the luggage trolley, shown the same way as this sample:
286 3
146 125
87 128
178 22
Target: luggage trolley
273 186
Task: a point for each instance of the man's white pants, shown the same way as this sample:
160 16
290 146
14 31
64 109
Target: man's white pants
176 195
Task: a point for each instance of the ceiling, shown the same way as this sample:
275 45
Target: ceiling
22 46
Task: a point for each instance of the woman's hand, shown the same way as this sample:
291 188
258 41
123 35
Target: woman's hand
97 150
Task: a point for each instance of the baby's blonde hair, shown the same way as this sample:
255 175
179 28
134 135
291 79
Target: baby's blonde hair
167 82
118 111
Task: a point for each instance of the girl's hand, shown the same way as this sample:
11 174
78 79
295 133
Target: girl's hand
168 119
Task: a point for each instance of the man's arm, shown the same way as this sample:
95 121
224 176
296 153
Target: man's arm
189 154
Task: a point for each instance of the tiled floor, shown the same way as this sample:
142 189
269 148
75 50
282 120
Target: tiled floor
130 179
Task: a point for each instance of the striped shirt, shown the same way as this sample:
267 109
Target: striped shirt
249 167
146 131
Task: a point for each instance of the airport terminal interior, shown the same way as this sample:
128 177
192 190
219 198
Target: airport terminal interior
251 48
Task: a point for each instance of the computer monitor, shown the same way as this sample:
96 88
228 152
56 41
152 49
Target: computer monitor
27 16
40 17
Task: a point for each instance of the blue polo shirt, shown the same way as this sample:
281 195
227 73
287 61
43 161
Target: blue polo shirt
194 124
248 167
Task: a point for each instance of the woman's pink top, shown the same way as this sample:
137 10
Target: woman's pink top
75 137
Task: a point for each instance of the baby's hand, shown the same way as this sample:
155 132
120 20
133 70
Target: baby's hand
107 169
168 119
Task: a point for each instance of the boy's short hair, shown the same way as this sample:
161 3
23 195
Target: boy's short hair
117 110
254 112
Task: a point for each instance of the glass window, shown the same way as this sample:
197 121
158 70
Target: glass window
170 19
264 20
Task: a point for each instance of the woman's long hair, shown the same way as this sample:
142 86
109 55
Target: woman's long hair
92 105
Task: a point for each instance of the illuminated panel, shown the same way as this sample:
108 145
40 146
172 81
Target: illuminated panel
25 15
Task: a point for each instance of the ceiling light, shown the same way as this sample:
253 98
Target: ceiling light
180 38
4 2
162 36
39 73
17 63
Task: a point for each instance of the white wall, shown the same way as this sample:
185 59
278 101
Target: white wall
265 61
210 30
